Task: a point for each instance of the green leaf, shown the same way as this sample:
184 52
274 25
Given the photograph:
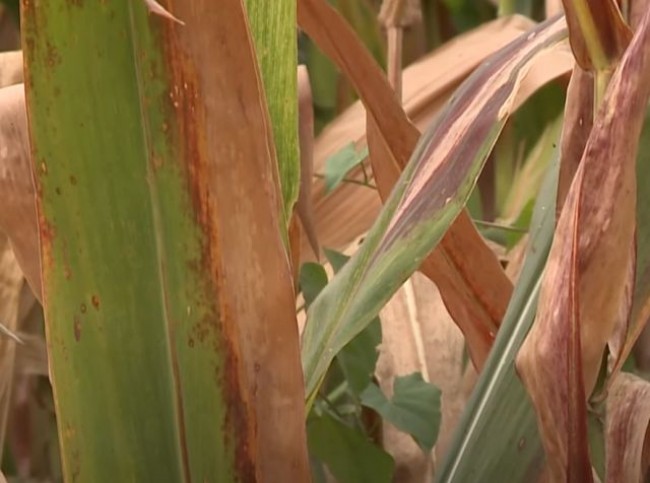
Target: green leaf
415 407
350 456
313 279
336 259
340 163
497 434
154 165
429 195
359 357
273 26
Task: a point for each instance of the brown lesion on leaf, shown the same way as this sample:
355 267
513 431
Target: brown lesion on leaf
186 123
52 57
94 299
76 326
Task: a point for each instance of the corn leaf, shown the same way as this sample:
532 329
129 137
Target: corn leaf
273 27
428 197
476 301
498 434
584 290
167 292
598 33
628 419
18 219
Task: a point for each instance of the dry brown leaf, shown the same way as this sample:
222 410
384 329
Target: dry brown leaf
11 68
584 282
18 216
391 140
578 120
240 194
553 7
610 35
350 210
11 284
304 206
418 335
400 13
9 32
628 417
31 355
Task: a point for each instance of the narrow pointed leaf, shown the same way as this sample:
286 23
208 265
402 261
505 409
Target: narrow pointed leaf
305 204
596 228
628 421
154 164
273 27
392 138
18 216
498 432
598 33
428 197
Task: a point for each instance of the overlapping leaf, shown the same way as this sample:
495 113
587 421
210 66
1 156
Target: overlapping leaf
498 434
476 300
428 197
628 420
599 34
168 297
585 280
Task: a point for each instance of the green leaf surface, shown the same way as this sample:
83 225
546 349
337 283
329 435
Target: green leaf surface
358 358
313 279
273 25
497 434
336 259
414 408
429 195
129 123
340 163
349 455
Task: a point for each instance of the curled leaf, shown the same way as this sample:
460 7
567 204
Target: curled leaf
584 283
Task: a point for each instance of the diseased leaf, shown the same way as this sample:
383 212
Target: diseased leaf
578 121
498 434
628 420
598 33
349 455
349 211
584 283
429 196
161 307
414 407
640 312
18 216
11 283
393 139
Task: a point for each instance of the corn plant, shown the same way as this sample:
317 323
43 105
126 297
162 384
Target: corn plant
226 298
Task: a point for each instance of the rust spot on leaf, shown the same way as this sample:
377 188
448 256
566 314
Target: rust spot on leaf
216 329
52 57
76 326
73 180
95 301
